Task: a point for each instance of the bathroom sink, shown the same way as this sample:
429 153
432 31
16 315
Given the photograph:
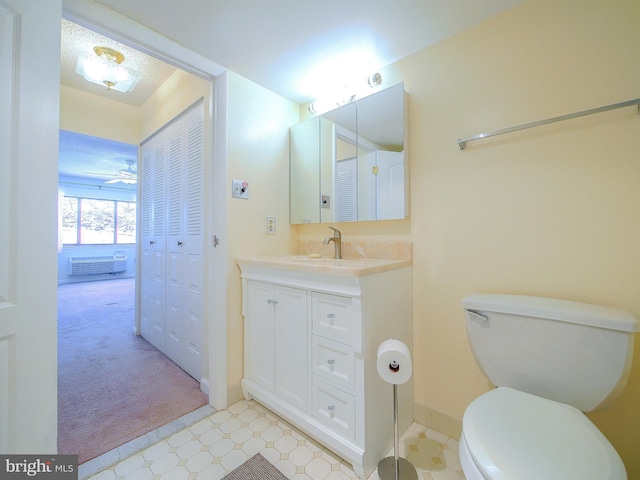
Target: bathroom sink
353 267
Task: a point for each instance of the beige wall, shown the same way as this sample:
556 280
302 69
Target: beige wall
176 94
258 124
553 211
90 114
97 116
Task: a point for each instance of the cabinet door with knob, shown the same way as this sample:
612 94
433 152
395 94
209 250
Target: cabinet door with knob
259 334
276 340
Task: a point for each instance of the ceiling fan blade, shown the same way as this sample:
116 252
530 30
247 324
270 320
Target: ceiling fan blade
128 181
127 174
100 174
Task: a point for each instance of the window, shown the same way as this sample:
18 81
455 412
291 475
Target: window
98 222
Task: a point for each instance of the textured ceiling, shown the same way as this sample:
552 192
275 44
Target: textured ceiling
77 40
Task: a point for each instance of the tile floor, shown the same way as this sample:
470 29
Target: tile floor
212 447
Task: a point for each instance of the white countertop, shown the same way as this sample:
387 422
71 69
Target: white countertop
350 267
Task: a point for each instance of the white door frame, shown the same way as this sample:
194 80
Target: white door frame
124 30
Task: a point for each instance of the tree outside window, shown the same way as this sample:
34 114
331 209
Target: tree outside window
98 222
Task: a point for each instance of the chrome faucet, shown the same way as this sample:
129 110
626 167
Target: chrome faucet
337 242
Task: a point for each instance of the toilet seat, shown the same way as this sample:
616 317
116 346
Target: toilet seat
512 435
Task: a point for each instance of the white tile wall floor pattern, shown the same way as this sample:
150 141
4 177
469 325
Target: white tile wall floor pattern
212 447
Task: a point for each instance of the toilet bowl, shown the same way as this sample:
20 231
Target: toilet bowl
516 435
532 426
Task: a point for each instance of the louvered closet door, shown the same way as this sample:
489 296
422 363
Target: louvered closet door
153 238
346 206
175 274
193 248
181 275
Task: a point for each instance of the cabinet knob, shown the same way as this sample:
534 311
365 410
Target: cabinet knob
331 408
330 315
179 243
152 242
272 302
331 361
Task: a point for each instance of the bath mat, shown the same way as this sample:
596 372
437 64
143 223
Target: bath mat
256 468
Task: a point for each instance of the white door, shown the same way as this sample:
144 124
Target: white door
175 259
390 180
172 239
146 239
152 245
184 243
29 126
192 247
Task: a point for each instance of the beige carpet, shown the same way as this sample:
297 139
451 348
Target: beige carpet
112 385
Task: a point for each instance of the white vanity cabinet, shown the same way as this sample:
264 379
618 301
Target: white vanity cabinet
311 340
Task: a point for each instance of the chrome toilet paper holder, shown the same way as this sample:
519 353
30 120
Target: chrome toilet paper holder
395 468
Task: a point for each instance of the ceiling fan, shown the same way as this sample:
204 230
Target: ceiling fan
127 175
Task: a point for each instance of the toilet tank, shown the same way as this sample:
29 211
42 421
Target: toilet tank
575 353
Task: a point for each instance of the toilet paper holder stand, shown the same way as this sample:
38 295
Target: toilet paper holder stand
396 468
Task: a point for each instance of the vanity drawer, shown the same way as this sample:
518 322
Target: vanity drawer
334 408
335 316
333 361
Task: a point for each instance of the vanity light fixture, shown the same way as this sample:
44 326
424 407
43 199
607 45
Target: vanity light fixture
343 97
374 80
105 69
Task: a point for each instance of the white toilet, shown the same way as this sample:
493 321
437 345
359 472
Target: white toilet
551 360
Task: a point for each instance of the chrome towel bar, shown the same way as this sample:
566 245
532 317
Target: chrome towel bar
462 142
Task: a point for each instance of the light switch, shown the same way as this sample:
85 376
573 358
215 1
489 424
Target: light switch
240 189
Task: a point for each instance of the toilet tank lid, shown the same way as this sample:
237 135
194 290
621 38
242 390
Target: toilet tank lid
554 309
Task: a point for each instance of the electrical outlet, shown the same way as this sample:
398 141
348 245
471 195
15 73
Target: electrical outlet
240 189
270 225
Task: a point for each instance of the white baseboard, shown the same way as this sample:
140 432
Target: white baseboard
204 385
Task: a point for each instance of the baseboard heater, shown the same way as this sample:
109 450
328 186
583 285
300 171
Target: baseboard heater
97 265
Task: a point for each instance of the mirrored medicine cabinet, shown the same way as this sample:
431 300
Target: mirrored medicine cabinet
349 164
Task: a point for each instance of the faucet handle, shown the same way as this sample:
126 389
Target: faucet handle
336 232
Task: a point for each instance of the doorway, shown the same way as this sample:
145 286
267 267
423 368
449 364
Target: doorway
127 109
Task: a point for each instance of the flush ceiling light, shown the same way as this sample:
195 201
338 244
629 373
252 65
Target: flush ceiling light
105 69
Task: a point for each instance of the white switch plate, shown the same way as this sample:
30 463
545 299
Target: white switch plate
270 225
239 189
